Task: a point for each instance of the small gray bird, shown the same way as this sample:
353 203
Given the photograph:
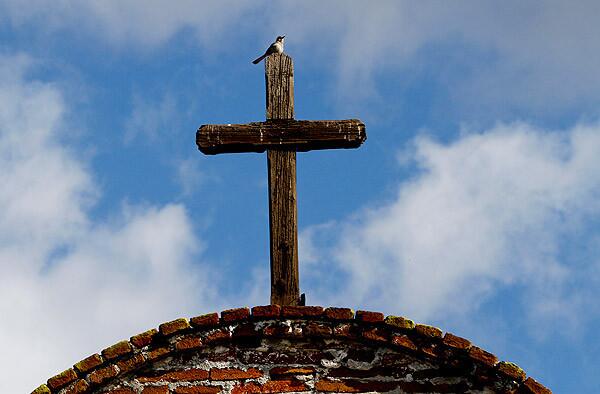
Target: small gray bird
276 47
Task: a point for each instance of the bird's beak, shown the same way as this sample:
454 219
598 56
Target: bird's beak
282 36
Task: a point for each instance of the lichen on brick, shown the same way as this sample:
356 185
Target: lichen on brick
117 350
174 326
144 339
301 349
41 389
399 322
512 370
429 331
62 379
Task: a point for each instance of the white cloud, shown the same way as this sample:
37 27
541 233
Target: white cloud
145 24
189 176
150 120
494 56
500 212
70 285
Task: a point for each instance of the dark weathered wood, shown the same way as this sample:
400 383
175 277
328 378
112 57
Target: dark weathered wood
283 220
279 80
283 212
281 136
292 135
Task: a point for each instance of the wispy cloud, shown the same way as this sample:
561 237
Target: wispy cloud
151 120
69 284
498 58
487 215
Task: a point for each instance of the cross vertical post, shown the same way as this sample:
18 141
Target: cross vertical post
283 211
281 136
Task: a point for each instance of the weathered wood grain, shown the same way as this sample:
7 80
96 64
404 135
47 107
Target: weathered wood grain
281 136
283 212
279 80
292 135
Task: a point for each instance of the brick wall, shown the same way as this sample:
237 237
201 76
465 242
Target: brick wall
292 349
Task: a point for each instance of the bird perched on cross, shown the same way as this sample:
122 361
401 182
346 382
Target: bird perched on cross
276 47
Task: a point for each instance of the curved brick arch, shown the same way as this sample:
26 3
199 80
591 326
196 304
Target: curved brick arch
292 349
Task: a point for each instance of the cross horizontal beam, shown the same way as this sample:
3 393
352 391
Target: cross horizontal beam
287 134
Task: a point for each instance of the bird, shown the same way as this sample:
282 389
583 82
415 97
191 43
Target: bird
276 47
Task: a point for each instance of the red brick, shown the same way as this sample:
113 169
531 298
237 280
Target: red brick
302 311
346 330
217 336
234 373
117 350
122 390
399 322
369 317
482 356
144 339
101 375
511 370
187 375
533 387
314 329
376 335
78 387
245 330
197 390
277 330
62 379
354 386
208 320
277 372
271 386
234 315
346 372
155 390
404 342
131 363
158 353
456 342
266 311
428 331
431 350
174 326
188 343
339 313
88 363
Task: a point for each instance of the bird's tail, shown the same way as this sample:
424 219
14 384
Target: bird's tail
256 61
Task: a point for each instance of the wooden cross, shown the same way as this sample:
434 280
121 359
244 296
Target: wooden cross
281 136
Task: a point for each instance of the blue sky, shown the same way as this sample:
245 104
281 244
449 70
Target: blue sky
472 206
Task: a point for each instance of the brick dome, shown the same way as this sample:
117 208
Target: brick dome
268 349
